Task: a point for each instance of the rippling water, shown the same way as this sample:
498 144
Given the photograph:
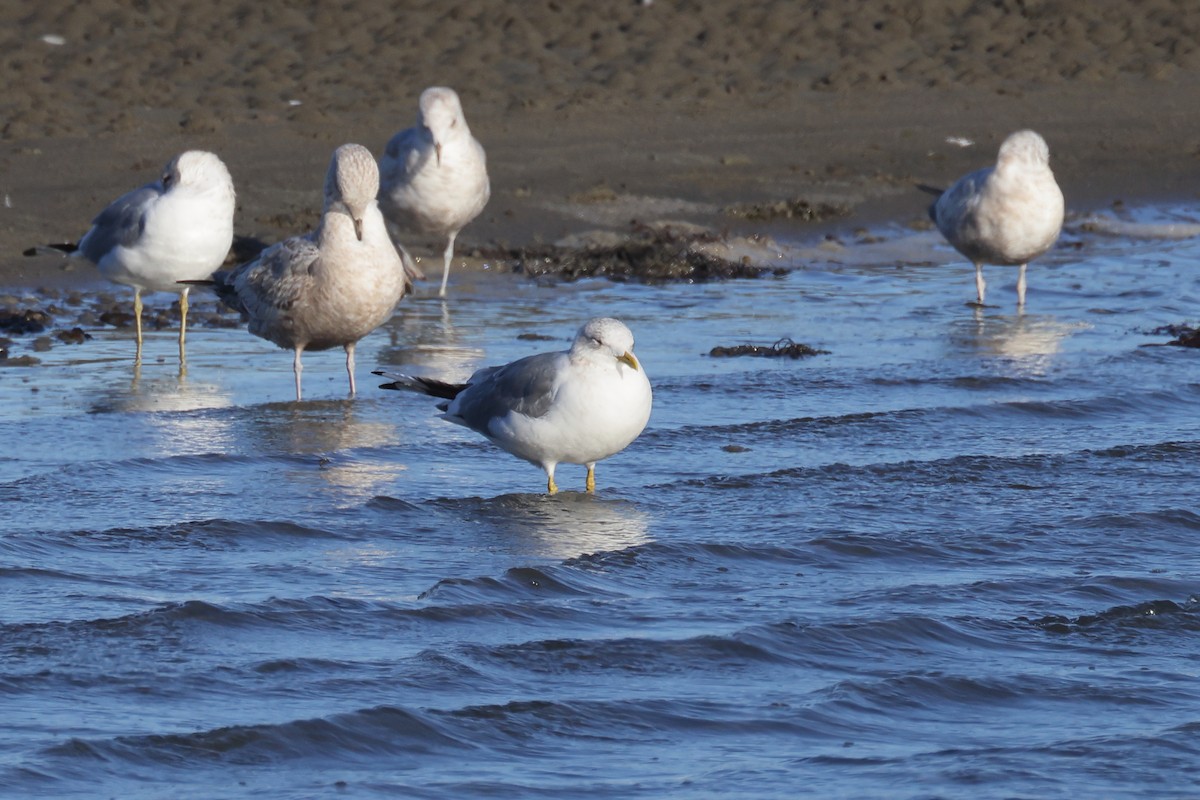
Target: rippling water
956 556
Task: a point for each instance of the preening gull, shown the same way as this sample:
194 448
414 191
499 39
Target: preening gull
434 175
333 286
176 229
1008 214
574 407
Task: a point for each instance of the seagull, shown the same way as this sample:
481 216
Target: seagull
333 286
176 229
1007 214
577 406
434 175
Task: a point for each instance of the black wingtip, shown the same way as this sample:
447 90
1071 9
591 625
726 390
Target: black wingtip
43 249
440 389
390 384
429 386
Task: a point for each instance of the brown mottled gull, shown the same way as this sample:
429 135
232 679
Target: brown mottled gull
333 286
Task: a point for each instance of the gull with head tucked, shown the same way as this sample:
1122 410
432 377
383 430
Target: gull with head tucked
574 407
178 228
331 287
434 175
1008 214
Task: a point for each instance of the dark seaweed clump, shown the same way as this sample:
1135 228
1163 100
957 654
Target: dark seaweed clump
1185 335
66 316
75 335
795 208
23 322
648 255
1154 614
784 348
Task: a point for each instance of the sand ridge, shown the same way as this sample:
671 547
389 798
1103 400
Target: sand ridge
714 103
218 61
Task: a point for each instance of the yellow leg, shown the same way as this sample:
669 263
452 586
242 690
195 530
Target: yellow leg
551 487
591 478
137 319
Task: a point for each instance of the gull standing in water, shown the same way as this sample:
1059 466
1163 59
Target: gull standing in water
1007 214
577 407
434 175
178 228
333 286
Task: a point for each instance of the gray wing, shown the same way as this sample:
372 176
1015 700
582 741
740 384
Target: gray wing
954 210
121 223
270 286
527 386
404 154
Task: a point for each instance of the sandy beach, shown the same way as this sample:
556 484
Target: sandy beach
592 117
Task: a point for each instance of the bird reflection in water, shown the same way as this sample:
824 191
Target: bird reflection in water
1030 341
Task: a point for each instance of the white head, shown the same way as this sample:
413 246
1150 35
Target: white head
605 337
441 109
199 170
1025 148
352 183
442 114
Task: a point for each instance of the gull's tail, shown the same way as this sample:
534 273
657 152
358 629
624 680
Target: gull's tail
429 386
937 194
412 272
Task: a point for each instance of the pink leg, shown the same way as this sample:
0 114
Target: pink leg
447 257
350 365
298 369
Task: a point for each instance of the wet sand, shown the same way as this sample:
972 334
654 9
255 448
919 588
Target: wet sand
592 118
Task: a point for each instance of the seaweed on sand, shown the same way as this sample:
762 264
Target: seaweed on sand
794 208
649 255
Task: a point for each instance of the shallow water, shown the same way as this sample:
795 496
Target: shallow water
954 557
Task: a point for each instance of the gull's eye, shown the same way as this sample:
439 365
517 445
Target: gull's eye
597 342
166 179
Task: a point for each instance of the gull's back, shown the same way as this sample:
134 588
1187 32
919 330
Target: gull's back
525 387
274 290
118 225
